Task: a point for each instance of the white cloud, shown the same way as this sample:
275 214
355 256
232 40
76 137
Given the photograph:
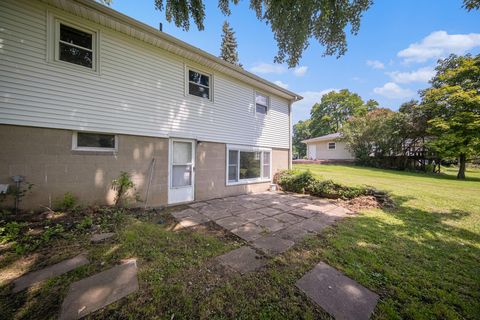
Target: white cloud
264 68
420 75
393 91
281 84
301 109
300 71
439 44
375 64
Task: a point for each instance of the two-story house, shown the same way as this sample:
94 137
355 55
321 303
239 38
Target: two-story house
87 92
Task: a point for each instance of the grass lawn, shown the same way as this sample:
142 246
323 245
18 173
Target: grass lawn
423 258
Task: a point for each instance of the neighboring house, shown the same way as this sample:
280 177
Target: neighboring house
88 92
327 147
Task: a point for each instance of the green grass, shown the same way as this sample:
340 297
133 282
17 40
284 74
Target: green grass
422 258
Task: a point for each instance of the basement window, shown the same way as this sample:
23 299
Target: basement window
90 141
248 164
332 146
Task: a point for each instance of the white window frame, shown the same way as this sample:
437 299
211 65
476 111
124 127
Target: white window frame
241 148
75 146
187 82
53 38
255 102
334 146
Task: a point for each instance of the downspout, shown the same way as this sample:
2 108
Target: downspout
290 134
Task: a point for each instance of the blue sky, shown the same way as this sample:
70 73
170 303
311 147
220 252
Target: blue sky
390 59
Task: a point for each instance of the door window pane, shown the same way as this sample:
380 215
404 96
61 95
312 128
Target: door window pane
182 152
232 165
181 176
249 165
95 140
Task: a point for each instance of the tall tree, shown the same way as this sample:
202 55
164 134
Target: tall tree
228 49
301 131
453 106
334 109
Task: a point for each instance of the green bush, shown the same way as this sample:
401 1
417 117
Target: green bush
68 202
10 231
295 181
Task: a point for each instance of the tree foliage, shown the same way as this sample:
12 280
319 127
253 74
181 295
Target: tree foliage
228 49
301 131
292 22
453 107
334 109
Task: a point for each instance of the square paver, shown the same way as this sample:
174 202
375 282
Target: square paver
293 233
242 260
184 213
282 207
54 270
251 205
272 245
250 216
313 225
95 292
214 214
303 213
230 223
269 211
270 224
248 232
337 294
288 218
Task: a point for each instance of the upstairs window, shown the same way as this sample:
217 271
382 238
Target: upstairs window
198 84
75 46
89 141
261 103
332 145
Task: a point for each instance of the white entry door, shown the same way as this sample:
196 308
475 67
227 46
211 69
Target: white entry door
312 151
181 171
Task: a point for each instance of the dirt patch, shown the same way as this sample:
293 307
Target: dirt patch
359 203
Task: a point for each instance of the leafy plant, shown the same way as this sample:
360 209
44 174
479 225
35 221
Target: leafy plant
68 202
294 181
122 185
86 223
11 231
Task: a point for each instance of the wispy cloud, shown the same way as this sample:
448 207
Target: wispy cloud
300 71
420 75
375 64
439 44
265 68
393 91
281 84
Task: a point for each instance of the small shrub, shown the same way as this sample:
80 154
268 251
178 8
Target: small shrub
122 185
11 231
86 223
295 181
68 202
52 232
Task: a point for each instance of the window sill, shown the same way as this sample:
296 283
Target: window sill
248 182
93 152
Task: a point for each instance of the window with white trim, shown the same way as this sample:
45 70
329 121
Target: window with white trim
75 45
332 145
261 103
199 84
248 164
90 141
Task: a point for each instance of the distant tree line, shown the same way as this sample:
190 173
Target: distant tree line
446 122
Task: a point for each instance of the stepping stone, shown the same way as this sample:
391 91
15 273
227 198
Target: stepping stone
231 222
272 245
337 294
339 212
100 290
248 232
52 271
99 237
271 224
193 220
268 211
242 260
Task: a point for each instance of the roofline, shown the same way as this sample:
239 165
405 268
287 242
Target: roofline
321 138
166 37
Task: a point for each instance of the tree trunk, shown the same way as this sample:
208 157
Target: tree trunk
462 164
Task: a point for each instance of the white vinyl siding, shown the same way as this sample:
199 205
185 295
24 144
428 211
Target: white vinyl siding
139 89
